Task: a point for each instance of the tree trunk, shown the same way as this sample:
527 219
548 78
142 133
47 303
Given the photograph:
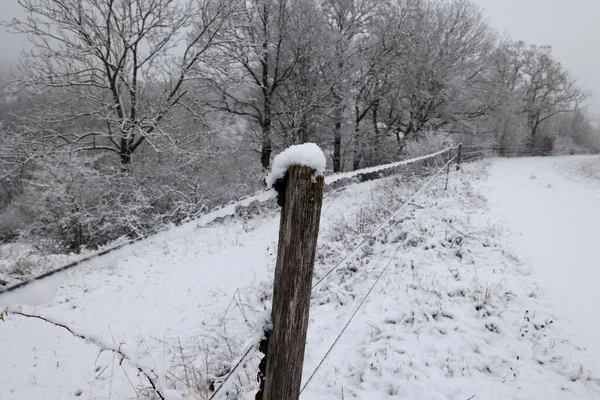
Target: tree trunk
533 127
303 128
337 134
266 149
125 151
376 141
405 134
357 139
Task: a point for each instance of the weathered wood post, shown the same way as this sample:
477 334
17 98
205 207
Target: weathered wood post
459 157
448 168
298 232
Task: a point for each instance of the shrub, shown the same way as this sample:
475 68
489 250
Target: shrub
427 143
74 204
564 145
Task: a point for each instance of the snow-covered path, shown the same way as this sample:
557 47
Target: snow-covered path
552 206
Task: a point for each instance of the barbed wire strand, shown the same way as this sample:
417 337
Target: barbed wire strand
242 359
382 225
351 318
400 246
476 152
495 146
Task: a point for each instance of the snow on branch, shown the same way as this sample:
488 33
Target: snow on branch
124 354
307 154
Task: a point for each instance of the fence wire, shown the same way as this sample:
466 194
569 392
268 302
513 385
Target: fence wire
262 196
364 299
384 223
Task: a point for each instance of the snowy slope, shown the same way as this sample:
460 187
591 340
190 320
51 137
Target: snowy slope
455 315
21 262
153 295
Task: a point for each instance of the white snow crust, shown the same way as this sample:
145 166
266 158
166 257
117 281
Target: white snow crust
307 154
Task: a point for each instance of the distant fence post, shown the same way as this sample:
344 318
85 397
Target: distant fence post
448 167
298 232
459 157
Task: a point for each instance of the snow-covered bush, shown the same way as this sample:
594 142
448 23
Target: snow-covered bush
427 143
75 204
76 199
564 145
184 185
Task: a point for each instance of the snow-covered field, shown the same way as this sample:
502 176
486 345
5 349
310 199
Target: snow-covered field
463 309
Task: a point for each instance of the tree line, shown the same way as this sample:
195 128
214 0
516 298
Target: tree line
124 115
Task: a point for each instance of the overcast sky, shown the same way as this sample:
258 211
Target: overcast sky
10 45
571 27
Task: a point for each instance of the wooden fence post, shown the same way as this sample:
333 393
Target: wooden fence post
459 157
448 168
298 232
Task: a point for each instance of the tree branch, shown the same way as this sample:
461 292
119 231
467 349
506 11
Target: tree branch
120 350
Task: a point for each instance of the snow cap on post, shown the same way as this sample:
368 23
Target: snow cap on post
307 154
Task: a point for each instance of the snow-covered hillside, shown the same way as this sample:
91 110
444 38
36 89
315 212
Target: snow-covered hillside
455 312
22 262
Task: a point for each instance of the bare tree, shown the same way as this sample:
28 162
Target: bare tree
305 96
116 69
532 89
504 87
446 58
374 77
258 59
347 20
548 89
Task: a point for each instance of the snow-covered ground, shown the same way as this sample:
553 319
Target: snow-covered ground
20 261
456 313
553 207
